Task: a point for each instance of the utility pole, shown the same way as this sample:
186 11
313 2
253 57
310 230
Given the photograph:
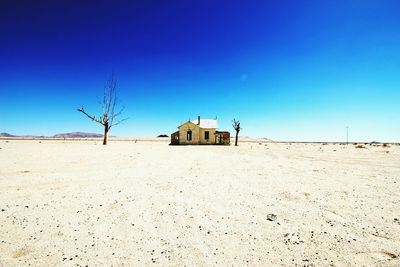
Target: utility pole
347 134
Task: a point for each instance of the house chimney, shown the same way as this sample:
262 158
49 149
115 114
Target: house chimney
198 120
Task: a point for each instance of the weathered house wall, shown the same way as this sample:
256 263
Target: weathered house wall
222 137
211 135
175 138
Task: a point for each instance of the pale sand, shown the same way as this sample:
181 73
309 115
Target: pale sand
69 203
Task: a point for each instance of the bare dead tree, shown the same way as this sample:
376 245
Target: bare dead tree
236 126
108 108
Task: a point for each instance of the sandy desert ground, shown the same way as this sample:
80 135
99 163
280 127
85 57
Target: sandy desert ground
78 203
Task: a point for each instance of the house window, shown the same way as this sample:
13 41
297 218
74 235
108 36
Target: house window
206 135
189 135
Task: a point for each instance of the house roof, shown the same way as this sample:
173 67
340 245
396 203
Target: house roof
207 123
204 123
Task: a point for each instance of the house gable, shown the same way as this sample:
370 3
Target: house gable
188 125
184 130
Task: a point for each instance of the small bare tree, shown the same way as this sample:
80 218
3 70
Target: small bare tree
109 115
236 126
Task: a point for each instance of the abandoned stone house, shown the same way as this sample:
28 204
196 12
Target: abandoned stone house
200 132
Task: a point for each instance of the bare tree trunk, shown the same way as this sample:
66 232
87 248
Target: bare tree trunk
236 138
106 129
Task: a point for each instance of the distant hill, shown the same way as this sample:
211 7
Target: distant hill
61 135
77 135
31 136
6 135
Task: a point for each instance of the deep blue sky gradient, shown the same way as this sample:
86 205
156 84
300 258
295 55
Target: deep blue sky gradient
289 70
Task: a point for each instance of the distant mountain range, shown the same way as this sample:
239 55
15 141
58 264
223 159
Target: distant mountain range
76 135
61 135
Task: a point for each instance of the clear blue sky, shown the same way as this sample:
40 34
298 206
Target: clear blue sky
288 70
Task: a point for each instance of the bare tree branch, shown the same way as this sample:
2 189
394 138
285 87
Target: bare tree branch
90 116
236 125
113 116
118 122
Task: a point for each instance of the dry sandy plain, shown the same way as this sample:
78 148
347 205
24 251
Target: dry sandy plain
78 203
